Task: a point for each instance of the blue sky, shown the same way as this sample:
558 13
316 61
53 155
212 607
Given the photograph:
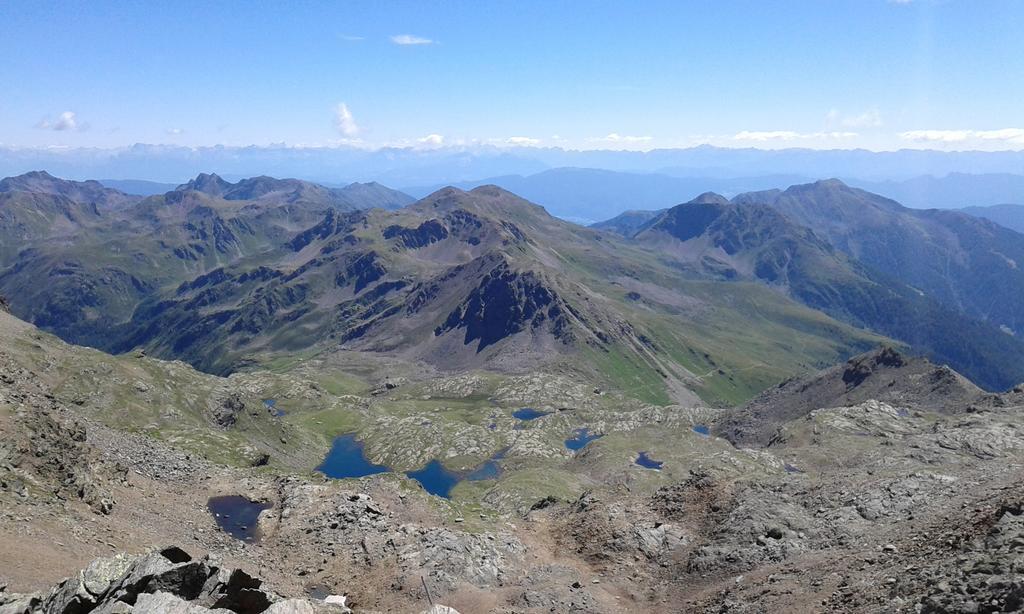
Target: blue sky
585 74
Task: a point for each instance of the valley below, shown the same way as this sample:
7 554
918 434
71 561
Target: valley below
270 396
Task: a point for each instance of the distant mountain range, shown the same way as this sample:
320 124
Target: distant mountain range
457 281
138 187
952 191
715 298
1009 216
585 195
449 165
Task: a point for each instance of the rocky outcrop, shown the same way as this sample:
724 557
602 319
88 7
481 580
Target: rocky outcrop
43 451
507 302
361 271
335 223
988 574
225 411
354 527
430 231
168 580
884 375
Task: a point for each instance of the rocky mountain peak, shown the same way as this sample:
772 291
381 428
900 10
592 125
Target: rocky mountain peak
492 191
831 197
207 183
486 200
689 220
710 198
831 183
42 182
859 368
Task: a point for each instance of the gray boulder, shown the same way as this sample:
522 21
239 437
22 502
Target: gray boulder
162 581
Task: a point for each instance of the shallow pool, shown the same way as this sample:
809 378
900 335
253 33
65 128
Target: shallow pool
237 516
645 461
529 413
580 438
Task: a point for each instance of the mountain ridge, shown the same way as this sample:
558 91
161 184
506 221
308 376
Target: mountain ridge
464 279
772 243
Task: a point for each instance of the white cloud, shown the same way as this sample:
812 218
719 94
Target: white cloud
431 140
344 121
615 137
522 141
175 131
66 121
409 39
766 135
871 118
350 38
1012 136
789 135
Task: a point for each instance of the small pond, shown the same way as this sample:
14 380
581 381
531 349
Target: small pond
347 459
271 405
435 478
529 413
701 429
489 469
237 516
438 480
647 462
580 438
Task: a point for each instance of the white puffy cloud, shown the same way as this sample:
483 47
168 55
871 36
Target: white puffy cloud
66 121
431 140
175 131
409 39
522 141
344 121
789 135
1010 136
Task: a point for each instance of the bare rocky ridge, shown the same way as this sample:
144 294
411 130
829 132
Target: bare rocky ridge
224 275
884 375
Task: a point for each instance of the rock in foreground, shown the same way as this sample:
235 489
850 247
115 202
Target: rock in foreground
167 580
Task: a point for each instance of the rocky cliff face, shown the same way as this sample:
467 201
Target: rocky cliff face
505 303
44 451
